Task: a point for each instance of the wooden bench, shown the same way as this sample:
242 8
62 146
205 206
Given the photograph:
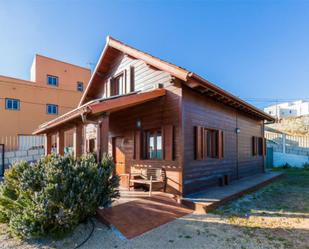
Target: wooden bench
149 176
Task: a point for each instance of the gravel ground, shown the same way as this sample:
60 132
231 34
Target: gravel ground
264 219
192 231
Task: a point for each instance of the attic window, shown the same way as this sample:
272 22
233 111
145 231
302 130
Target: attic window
116 85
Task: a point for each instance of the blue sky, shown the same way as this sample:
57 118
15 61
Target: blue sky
258 50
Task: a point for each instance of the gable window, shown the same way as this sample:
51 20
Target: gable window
52 80
209 143
80 86
12 104
116 85
153 144
52 109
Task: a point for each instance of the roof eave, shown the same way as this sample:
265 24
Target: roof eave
216 88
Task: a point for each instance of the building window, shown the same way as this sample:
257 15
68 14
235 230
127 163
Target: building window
52 80
52 109
80 86
258 146
12 104
209 143
153 142
116 85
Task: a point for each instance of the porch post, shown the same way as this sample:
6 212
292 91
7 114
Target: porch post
77 140
102 137
85 143
60 142
48 145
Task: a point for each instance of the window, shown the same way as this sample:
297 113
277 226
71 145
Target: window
116 85
12 104
52 109
258 146
52 80
153 142
80 86
209 143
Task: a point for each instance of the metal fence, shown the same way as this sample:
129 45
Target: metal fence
22 142
284 143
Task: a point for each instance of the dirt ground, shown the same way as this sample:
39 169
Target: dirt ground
276 216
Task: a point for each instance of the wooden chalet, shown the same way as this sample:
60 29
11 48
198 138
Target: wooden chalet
149 113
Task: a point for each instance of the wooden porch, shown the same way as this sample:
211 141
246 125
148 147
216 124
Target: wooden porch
144 139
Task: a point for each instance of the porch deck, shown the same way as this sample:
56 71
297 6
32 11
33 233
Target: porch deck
210 199
136 213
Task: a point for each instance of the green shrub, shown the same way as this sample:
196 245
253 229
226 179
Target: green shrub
55 194
306 166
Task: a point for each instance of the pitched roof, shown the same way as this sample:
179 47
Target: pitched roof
189 78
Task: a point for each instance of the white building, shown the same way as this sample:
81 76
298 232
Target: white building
288 109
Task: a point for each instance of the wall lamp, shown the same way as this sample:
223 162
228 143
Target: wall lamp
237 130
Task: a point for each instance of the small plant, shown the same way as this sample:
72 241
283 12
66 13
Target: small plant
52 196
306 166
286 166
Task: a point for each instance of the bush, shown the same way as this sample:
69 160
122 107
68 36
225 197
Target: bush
55 194
306 166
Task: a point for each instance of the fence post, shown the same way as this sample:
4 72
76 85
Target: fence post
283 143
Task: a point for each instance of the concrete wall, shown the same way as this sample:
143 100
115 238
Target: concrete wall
22 155
294 160
292 150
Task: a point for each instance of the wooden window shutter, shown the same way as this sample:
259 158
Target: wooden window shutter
168 142
264 147
137 145
109 87
254 146
220 144
132 79
199 143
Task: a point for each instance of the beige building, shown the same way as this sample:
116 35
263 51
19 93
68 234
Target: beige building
55 87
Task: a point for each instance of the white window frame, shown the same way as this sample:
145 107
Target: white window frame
54 107
17 101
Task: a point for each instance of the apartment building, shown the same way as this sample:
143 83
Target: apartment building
288 109
55 87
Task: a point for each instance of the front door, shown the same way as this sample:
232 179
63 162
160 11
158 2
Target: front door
119 155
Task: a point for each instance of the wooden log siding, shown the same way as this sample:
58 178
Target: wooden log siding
237 159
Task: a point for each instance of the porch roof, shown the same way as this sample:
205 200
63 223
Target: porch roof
98 106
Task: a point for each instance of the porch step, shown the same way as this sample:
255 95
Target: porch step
210 199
